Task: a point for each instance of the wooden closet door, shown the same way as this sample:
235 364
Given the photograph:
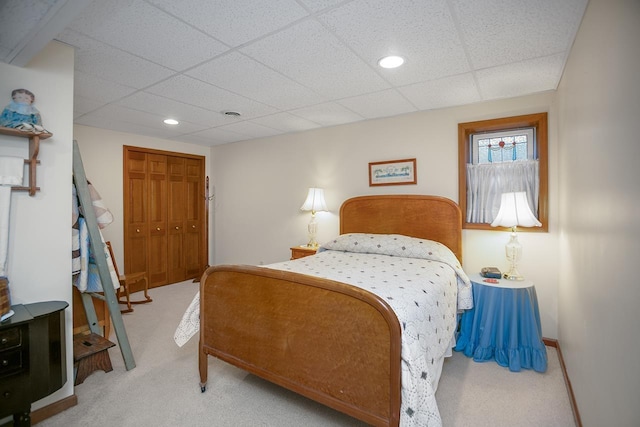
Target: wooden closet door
157 258
195 258
165 218
176 215
136 213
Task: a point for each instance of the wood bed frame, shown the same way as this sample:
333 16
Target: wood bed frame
331 342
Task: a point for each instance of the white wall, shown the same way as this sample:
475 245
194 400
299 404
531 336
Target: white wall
599 108
101 152
260 186
39 265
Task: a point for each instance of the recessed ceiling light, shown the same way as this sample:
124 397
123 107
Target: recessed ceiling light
171 121
391 61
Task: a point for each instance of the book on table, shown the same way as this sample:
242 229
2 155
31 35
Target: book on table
491 273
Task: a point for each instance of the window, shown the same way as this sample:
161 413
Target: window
502 155
503 146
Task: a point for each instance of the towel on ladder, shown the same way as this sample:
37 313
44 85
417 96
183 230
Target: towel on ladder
11 170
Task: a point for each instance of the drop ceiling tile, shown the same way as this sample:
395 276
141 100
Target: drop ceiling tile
423 32
102 122
147 32
506 81
286 122
310 55
317 5
123 115
108 63
499 32
4 54
213 136
379 104
83 105
153 132
19 18
99 89
235 22
327 114
442 93
165 107
247 77
209 97
250 129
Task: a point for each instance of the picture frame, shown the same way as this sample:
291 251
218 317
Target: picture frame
393 172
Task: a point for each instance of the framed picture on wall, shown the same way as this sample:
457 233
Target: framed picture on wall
393 172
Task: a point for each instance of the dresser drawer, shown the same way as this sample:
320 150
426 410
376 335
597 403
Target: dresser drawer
10 338
11 361
14 392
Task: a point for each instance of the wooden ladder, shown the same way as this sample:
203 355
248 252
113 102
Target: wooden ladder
97 247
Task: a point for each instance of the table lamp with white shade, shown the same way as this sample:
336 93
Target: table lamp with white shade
314 203
514 211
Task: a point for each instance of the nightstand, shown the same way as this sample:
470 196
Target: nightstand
302 251
503 325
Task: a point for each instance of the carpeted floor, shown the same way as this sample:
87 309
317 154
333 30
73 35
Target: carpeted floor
163 389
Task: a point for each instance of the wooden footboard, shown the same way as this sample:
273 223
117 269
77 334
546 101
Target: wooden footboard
331 342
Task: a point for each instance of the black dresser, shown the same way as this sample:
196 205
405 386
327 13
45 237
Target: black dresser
32 357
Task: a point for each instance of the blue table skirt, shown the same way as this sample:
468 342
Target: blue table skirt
504 326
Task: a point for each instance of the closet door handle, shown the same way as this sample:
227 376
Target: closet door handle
137 230
177 228
158 228
193 226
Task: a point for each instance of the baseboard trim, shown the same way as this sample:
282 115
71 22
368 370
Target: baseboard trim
53 409
572 399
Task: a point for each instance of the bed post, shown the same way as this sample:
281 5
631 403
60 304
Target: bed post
203 367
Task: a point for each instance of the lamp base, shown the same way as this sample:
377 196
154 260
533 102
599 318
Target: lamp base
312 228
513 276
513 250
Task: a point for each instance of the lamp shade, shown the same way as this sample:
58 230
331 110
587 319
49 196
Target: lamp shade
315 201
514 211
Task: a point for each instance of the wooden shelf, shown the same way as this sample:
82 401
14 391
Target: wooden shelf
34 149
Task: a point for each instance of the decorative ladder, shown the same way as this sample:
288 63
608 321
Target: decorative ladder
95 239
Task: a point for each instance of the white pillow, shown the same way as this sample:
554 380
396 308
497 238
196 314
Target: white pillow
389 244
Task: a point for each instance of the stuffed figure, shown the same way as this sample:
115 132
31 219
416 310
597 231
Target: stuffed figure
20 113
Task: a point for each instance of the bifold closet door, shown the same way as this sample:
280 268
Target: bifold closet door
195 220
158 221
145 240
136 207
185 218
177 198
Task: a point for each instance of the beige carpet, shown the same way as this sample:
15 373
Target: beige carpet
163 389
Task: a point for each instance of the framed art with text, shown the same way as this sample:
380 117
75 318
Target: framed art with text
393 172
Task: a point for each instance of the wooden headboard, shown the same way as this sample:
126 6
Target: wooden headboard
426 217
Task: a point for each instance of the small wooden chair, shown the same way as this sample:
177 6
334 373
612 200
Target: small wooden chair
126 280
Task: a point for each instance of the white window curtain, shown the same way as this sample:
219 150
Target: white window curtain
487 182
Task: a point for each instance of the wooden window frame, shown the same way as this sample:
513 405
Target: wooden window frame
538 121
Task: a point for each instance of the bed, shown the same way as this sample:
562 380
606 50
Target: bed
337 343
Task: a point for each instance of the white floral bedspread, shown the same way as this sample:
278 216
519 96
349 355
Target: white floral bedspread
423 283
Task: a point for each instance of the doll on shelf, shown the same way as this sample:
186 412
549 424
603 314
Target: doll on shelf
21 113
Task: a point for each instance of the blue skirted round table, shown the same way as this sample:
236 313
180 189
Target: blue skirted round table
503 325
